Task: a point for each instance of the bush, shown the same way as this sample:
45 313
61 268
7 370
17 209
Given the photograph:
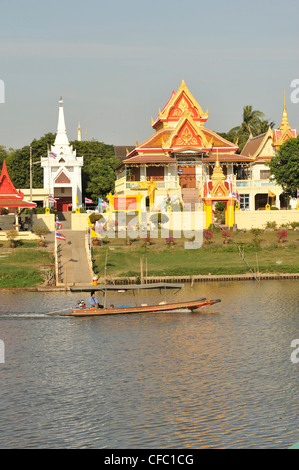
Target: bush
95 217
208 235
271 225
282 234
226 234
11 235
3 211
41 230
159 218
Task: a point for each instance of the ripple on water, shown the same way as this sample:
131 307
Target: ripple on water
220 378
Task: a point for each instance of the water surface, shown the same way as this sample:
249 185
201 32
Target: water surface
219 378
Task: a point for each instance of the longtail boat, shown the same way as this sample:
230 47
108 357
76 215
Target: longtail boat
180 307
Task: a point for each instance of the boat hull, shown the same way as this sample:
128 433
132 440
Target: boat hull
179 306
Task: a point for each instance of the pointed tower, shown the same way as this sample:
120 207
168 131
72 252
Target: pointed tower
62 169
61 137
79 134
284 126
284 133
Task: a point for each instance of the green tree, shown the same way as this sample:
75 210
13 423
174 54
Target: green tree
3 154
264 125
98 172
285 167
18 163
251 125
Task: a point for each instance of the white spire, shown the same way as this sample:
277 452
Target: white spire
61 137
79 137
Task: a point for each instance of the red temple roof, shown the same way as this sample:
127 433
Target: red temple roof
9 195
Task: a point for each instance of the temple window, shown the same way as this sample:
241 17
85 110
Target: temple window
155 172
133 173
245 201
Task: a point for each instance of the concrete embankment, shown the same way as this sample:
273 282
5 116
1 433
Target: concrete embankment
118 281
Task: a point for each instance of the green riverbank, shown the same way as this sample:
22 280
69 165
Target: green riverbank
215 258
30 267
25 267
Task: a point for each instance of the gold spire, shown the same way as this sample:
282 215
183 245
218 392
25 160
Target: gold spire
218 172
284 126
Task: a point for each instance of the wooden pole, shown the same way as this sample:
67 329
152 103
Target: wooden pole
141 272
145 270
106 267
56 259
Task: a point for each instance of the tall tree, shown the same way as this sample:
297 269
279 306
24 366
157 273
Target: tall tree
251 125
98 173
285 167
18 163
264 125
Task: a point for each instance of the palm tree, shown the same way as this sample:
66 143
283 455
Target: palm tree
264 125
251 125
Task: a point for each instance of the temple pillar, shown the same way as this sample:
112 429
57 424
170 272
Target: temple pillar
230 213
208 208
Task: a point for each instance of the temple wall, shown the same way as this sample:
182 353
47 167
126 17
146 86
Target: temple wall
183 222
258 219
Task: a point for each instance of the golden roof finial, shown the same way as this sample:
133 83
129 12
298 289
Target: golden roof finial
152 120
284 126
137 145
218 172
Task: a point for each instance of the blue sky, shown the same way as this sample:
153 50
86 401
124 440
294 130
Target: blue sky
116 63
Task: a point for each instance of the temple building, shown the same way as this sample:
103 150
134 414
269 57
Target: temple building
258 190
62 169
179 157
178 161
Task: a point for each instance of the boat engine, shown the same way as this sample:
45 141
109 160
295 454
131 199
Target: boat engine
81 304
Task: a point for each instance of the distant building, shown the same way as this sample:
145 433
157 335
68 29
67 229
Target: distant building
62 169
255 191
178 161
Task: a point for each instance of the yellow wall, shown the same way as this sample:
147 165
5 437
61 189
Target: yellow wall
258 219
79 221
44 219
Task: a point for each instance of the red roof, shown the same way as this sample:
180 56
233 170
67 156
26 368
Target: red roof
9 195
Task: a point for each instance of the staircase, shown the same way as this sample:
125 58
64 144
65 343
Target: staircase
190 198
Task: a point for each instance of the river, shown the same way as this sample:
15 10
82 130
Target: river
218 378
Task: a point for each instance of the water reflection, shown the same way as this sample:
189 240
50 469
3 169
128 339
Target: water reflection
220 378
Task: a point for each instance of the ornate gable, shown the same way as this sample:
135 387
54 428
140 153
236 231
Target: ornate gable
62 179
187 134
219 187
180 103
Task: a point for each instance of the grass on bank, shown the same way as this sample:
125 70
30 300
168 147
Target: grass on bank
215 258
21 267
